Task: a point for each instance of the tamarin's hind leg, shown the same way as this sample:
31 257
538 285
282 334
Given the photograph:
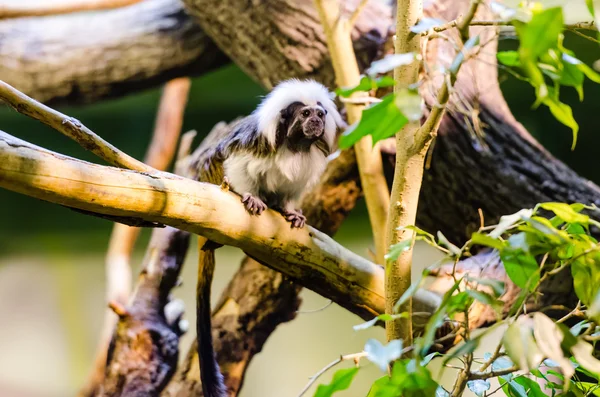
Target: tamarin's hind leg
293 216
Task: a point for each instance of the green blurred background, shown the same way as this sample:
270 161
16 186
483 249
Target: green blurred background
51 258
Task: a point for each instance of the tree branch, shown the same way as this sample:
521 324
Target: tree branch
70 127
408 174
306 255
116 52
67 8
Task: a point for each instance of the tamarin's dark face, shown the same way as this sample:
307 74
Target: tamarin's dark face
302 125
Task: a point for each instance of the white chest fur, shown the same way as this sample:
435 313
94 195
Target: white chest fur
284 173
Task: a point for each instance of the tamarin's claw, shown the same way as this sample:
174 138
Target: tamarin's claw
295 217
254 205
225 184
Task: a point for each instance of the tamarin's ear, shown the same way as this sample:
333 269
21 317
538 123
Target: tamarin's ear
288 112
320 104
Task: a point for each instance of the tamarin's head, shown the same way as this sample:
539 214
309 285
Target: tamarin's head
300 111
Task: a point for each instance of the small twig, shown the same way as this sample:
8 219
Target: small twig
571 314
71 128
493 374
316 310
185 146
585 36
354 17
54 9
481 219
465 22
355 356
455 23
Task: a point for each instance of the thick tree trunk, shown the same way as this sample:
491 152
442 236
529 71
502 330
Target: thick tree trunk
81 58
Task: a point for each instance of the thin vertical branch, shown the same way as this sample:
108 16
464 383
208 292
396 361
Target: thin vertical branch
412 144
407 177
122 240
337 31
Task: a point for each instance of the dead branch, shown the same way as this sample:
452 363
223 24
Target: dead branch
70 127
56 9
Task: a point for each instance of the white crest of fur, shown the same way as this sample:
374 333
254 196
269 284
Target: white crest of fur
287 92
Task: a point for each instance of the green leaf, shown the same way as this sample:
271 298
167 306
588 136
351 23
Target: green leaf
513 389
496 285
594 310
341 381
585 69
571 76
381 121
436 320
509 58
366 84
549 339
566 212
584 354
521 268
563 113
590 7
381 317
414 379
484 239
397 249
443 241
520 345
541 33
370 323
382 355
479 386
482 297
426 24
531 386
383 387
508 221
410 104
408 293
391 62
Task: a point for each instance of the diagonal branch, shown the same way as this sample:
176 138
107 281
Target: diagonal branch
69 127
306 255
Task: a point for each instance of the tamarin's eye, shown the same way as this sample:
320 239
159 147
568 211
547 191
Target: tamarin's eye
320 114
306 113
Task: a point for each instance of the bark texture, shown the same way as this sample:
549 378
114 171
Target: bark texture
81 58
272 40
144 351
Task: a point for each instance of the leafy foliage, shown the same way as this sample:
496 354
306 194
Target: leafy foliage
534 244
341 381
546 63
